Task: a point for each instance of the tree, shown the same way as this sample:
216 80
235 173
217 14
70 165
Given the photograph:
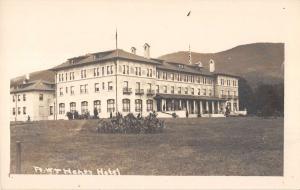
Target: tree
95 113
246 96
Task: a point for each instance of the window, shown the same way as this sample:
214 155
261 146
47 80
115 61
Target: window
228 93
179 90
62 77
179 77
138 105
84 107
83 74
125 84
157 88
96 71
210 92
72 90
199 91
158 74
124 70
108 70
172 89
149 72
24 110
222 92
165 89
127 69
97 105
102 71
126 105
138 85
111 69
18 98
83 89
103 85
165 75
110 87
172 76
41 97
19 110
51 110
66 90
61 108
66 76
61 91
186 90
97 87
149 105
204 92
14 111
14 99
110 105
72 107
192 91
24 97
138 71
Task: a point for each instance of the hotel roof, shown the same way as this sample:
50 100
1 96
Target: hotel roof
102 56
38 85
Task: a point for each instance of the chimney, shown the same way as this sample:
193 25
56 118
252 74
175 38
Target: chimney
199 63
147 51
133 50
211 65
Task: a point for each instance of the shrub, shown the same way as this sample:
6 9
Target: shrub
131 124
76 115
96 113
174 115
70 115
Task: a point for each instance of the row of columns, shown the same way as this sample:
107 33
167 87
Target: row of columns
196 108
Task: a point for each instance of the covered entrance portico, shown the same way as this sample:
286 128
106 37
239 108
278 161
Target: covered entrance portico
191 105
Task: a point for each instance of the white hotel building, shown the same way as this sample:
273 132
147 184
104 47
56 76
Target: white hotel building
119 81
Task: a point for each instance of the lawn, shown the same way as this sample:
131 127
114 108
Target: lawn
247 146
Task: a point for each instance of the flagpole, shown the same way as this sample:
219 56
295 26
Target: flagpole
116 73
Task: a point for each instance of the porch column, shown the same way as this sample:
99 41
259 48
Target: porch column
231 101
200 102
212 107
218 107
173 105
187 106
207 108
194 111
180 108
237 105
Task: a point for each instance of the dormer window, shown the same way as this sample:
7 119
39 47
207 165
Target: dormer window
181 66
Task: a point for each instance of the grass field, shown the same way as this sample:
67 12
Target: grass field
247 146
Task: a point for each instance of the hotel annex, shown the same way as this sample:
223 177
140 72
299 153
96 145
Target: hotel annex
119 81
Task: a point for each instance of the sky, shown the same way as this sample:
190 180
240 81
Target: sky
40 34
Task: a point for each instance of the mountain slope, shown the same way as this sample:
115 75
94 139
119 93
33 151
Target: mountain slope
257 62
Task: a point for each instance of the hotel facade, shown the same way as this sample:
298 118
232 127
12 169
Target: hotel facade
117 81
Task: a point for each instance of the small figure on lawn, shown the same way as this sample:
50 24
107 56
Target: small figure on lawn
28 118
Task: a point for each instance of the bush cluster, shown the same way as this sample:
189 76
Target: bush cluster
131 124
76 115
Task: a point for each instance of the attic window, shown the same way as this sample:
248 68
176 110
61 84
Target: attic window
72 61
181 66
